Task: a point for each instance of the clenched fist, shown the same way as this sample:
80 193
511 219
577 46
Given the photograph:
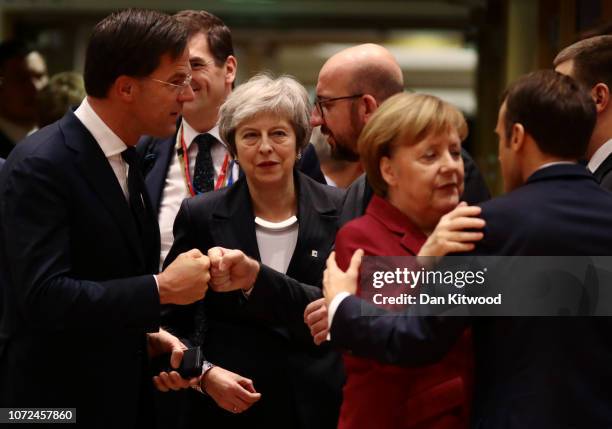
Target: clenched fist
185 280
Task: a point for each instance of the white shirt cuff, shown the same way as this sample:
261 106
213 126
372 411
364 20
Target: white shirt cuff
247 293
156 282
333 306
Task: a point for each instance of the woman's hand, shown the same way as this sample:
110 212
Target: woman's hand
230 391
450 235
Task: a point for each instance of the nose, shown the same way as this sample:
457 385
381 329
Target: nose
451 164
186 94
265 146
315 117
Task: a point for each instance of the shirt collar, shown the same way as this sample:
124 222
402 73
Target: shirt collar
109 142
189 133
550 164
600 156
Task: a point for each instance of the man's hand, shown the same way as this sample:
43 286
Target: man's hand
452 233
230 391
315 316
335 280
185 280
165 342
231 269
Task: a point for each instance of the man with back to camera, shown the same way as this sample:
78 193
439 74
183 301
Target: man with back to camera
589 62
530 371
79 238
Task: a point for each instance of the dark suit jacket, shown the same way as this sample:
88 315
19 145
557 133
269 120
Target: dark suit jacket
79 295
359 193
530 372
604 173
156 154
267 342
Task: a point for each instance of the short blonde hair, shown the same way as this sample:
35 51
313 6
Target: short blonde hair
404 119
283 96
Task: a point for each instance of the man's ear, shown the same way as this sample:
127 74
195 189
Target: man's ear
368 106
231 67
386 171
517 139
125 88
601 96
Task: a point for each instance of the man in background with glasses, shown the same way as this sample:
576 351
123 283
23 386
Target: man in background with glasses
79 240
351 86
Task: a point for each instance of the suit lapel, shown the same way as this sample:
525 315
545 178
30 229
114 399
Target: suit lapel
233 221
98 173
162 152
318 224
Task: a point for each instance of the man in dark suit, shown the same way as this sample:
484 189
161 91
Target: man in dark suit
22 74
530 372
79 241
589 61
351 86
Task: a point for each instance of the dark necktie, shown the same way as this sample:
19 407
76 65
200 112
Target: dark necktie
204 171
138 200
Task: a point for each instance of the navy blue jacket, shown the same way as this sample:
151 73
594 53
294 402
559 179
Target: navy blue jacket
78 292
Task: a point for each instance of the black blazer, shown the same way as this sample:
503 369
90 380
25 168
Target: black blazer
79 295
530 372
264 337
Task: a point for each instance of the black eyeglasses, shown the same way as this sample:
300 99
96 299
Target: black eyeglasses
321 102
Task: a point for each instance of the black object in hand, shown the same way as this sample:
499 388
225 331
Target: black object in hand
191 364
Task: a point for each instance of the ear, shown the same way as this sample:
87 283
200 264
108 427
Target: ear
368 106
517 139
231 67
386 171
125 88
601 96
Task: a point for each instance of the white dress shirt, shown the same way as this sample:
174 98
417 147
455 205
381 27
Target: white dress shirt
175 188
600 156
109 142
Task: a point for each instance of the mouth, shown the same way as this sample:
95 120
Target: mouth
266 164
448 186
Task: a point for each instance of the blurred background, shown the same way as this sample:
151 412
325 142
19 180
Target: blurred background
464 51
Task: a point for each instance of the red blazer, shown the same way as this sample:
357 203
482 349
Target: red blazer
387 396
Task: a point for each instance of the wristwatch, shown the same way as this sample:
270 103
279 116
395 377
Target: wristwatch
201 386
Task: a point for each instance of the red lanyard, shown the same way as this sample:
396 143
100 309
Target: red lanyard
184 160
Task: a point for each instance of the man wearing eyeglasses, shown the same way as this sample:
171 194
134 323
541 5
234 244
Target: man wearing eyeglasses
79 241
351 86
